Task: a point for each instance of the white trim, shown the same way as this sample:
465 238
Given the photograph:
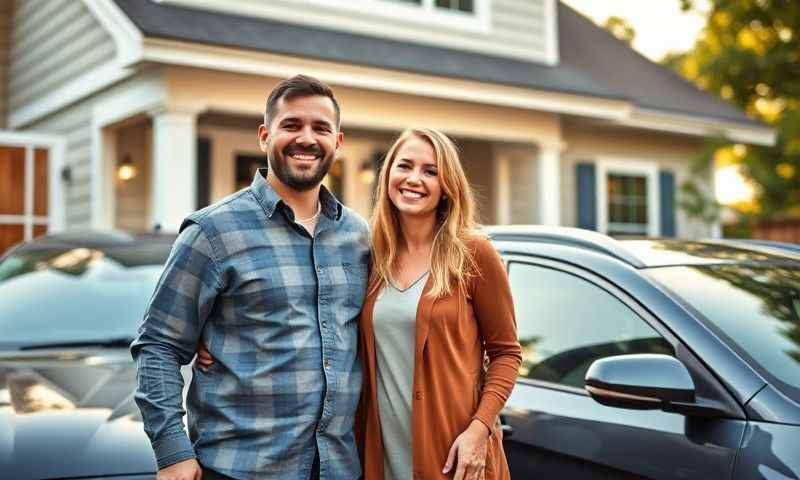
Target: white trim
551 32
28 178
56 148
699 126
628 166
144 95
297 11
258 63
127 38
128 42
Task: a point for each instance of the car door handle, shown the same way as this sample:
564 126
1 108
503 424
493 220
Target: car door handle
507 429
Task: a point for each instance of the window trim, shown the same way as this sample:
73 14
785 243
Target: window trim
632 167
427 13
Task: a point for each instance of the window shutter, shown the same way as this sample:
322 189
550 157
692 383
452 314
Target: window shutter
666 181
587 196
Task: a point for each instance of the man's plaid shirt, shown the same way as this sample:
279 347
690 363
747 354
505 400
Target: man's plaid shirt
277 308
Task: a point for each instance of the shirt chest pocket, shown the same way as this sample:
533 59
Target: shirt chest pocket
355 275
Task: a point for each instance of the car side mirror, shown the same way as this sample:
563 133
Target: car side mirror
646 382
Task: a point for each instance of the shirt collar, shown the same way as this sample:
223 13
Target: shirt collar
269 199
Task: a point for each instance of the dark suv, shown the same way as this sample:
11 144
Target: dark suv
641 359
660 359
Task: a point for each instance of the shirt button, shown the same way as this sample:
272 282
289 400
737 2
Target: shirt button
418 395
327 364
319 269
324 323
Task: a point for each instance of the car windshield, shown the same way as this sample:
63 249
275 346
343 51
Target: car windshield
755 308
74 295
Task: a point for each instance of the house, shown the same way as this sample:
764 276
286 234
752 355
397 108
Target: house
133 113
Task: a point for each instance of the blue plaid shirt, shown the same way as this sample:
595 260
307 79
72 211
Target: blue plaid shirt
277 308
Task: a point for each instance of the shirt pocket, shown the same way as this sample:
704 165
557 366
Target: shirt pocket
356 274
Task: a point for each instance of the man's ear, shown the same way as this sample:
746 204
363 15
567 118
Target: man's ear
263 134
339 139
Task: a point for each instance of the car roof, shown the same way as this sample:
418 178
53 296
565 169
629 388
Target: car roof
646 253
127 248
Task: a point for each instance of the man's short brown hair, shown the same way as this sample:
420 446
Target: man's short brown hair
298 86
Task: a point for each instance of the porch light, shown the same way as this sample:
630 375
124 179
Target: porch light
126 170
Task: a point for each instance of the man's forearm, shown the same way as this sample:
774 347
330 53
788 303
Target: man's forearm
159 395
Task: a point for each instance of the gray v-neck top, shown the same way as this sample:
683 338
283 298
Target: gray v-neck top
395 318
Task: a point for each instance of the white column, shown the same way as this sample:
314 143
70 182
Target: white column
174 168
502 188
549 184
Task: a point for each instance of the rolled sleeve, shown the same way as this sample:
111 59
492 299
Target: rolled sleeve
168 337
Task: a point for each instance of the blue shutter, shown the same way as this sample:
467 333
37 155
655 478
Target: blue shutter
666 182
587 196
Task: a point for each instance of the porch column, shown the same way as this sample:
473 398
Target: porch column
174 182
549 183
502 188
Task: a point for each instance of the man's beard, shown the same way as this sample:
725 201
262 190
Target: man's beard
305 180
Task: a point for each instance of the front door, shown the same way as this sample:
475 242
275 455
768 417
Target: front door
568 318
23 194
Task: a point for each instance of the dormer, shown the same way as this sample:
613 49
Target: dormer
519 29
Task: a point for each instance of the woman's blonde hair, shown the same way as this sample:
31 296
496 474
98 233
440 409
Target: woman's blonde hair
452 263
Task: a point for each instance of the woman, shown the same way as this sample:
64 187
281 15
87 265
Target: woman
438 304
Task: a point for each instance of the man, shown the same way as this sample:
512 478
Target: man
271 281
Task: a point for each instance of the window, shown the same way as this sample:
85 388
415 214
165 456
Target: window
628 196
566 322
466 6
627 204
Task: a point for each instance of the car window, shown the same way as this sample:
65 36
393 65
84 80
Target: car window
566 322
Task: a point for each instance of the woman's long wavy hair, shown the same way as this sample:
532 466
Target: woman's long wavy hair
452 264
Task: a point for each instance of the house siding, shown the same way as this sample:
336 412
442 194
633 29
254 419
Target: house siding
6 8
513 28
53 42
669 152
74 125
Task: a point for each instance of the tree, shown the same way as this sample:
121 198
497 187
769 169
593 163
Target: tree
749 54
620 28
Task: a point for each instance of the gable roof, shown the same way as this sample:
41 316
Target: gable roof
592 61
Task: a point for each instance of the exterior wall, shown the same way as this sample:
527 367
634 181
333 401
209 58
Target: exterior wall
6 9
53 42
74 124
511 28
477 158
669 152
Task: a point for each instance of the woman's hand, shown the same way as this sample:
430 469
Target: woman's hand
204 358
470 449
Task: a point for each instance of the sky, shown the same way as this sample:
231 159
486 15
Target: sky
660 25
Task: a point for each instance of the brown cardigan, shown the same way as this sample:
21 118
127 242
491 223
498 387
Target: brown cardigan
450 387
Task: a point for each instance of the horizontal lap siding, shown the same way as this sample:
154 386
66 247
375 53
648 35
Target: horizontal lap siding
53 42
74 125
5 41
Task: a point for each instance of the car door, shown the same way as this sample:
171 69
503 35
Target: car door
567 318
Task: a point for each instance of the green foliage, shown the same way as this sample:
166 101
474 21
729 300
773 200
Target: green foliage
748 54
620 28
